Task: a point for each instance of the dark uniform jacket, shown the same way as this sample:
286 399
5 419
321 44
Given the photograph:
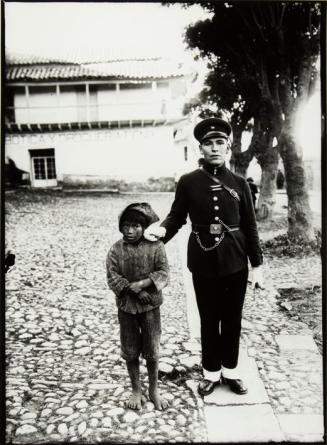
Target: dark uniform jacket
195 197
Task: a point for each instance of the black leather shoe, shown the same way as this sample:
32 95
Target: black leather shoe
235 385
206 387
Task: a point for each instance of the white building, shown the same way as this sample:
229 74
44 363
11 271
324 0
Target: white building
106 123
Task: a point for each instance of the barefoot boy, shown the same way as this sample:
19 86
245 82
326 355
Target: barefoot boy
137 270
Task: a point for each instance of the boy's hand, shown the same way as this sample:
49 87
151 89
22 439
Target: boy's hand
136 287
144 297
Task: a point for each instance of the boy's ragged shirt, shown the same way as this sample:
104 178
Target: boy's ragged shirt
128 262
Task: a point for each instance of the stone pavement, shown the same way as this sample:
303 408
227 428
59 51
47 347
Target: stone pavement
257 416
65 378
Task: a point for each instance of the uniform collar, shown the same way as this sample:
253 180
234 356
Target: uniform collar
213 169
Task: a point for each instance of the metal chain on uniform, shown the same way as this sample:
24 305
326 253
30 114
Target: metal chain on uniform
233 193
206 249
223 224
217 242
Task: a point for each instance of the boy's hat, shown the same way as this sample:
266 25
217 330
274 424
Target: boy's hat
145 211
212 127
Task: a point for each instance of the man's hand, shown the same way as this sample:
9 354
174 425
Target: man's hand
257 278
144 297
154 232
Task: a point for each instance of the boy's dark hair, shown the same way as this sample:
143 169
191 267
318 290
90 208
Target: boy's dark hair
134 216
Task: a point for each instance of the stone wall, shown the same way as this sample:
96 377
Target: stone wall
161 184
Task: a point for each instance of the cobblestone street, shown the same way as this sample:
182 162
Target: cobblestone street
65 378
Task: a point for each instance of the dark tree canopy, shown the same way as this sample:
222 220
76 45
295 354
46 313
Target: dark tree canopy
262 57
269 47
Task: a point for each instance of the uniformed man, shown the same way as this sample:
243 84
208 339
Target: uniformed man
224 236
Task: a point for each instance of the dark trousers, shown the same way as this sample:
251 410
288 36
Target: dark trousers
220 302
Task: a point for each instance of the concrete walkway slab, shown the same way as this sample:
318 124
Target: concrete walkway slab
305 427
255 423
296 342
222 395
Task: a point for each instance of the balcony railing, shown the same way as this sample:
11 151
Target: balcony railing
47 114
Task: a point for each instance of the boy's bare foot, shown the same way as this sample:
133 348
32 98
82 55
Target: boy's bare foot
135 400
159 402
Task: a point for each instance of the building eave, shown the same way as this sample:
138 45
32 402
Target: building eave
13 128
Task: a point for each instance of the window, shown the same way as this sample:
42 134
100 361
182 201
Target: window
72 89
135 86
94 88
39 168
44 168
67 88
42 89
163 84
43 162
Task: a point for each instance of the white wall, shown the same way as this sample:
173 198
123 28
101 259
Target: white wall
129 154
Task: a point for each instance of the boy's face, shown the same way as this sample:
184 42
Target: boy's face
132 231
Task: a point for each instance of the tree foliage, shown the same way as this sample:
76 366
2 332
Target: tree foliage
269 50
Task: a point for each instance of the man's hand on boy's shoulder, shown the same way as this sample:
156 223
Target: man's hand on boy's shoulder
144 297
154 232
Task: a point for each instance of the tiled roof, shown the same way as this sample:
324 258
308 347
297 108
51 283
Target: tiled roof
80 56
32 59
138 69
47 72
24 68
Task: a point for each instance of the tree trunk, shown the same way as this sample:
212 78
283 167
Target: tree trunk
299 213
300 224
240 161
268 162
264 130
236 147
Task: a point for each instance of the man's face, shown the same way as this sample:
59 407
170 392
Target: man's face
214 150
132 231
